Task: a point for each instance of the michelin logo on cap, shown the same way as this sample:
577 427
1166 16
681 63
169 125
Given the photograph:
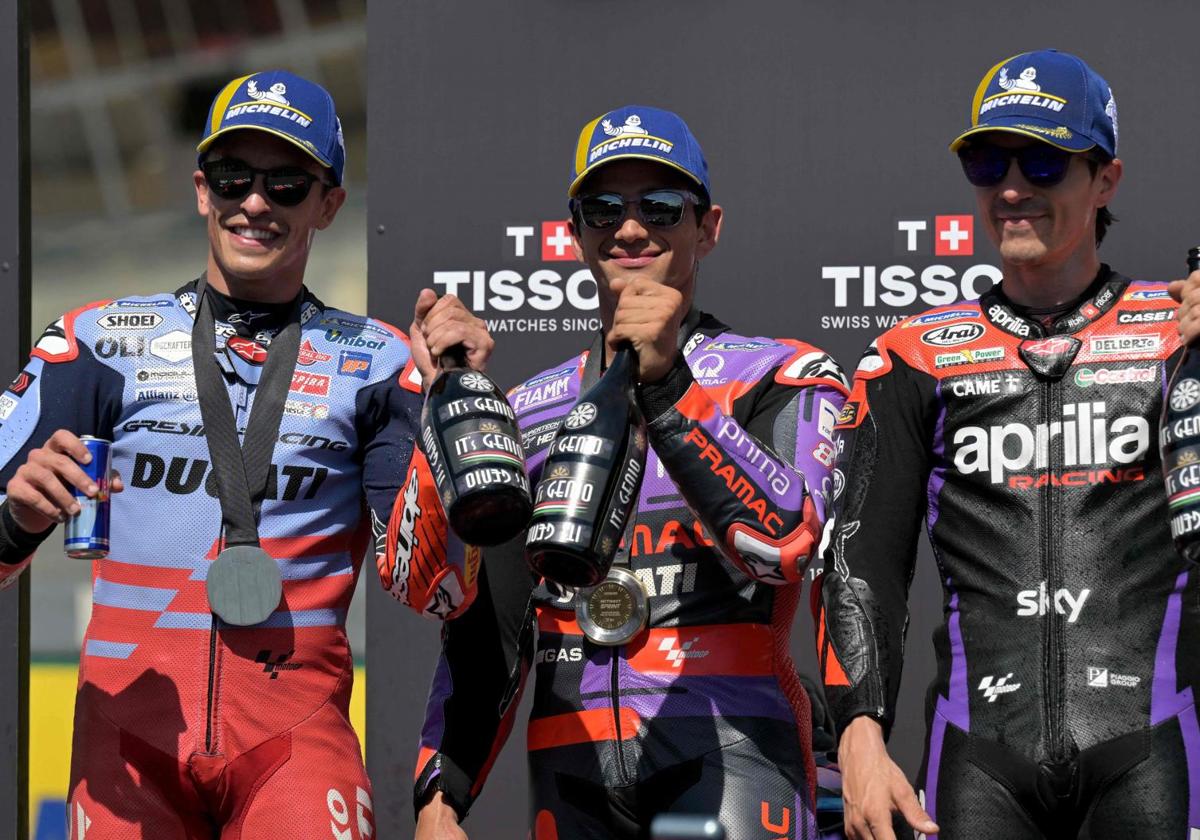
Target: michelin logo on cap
629 135
1022 90
639 131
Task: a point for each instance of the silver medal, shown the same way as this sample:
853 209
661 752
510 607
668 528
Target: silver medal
613 611
244 586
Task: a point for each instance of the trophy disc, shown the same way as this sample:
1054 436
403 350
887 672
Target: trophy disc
613 611
244 586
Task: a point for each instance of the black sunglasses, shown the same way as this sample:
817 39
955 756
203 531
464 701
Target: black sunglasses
231 178
657 208
1042 165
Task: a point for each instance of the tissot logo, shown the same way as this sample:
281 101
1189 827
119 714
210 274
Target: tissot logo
523 294
935 268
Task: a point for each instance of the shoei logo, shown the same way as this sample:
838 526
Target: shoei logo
676 653
274 94
993 688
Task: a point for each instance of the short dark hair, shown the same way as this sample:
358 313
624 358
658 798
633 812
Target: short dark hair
1104 216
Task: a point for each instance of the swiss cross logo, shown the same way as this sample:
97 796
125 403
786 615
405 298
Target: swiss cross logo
556 241
304 382
954 236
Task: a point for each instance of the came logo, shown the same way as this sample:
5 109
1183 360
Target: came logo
993 688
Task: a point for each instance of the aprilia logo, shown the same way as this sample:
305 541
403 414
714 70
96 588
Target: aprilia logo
1086 438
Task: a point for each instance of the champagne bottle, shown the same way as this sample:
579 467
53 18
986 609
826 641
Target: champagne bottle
474 449
590 481
1179 445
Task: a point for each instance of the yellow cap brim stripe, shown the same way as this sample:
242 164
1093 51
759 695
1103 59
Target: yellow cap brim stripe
581 149
962 138
221 105
983 86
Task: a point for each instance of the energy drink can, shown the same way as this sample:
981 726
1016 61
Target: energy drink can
86 533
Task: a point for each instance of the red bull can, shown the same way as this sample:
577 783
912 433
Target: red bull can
86 533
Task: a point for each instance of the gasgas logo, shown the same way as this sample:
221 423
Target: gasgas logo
1095 449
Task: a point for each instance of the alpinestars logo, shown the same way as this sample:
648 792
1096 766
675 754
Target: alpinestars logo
993 688
676 655
274 664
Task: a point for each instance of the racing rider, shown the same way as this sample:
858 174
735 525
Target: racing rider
1024 428
703 710
185 726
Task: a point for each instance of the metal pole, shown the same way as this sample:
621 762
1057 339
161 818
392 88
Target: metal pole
14 347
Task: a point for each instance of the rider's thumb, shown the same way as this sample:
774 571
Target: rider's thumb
916 816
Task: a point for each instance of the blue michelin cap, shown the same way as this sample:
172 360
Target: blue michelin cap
1050 95
638 131
282 104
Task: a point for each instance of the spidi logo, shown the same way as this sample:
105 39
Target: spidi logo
530 291
936 266
1019 455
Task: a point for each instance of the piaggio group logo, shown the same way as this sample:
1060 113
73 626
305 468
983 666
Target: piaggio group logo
529 292
935 266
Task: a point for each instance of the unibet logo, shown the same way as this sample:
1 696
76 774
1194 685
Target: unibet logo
1085 439
1040 601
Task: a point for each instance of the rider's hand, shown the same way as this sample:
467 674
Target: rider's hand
437 821
39 493
873 786
1187 292
648 316
440 323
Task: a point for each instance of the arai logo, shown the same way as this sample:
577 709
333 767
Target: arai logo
952 334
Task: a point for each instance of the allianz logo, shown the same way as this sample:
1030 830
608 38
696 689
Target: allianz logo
1085 434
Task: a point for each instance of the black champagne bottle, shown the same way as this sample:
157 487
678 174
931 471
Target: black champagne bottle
590 481
474 450
1179 445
